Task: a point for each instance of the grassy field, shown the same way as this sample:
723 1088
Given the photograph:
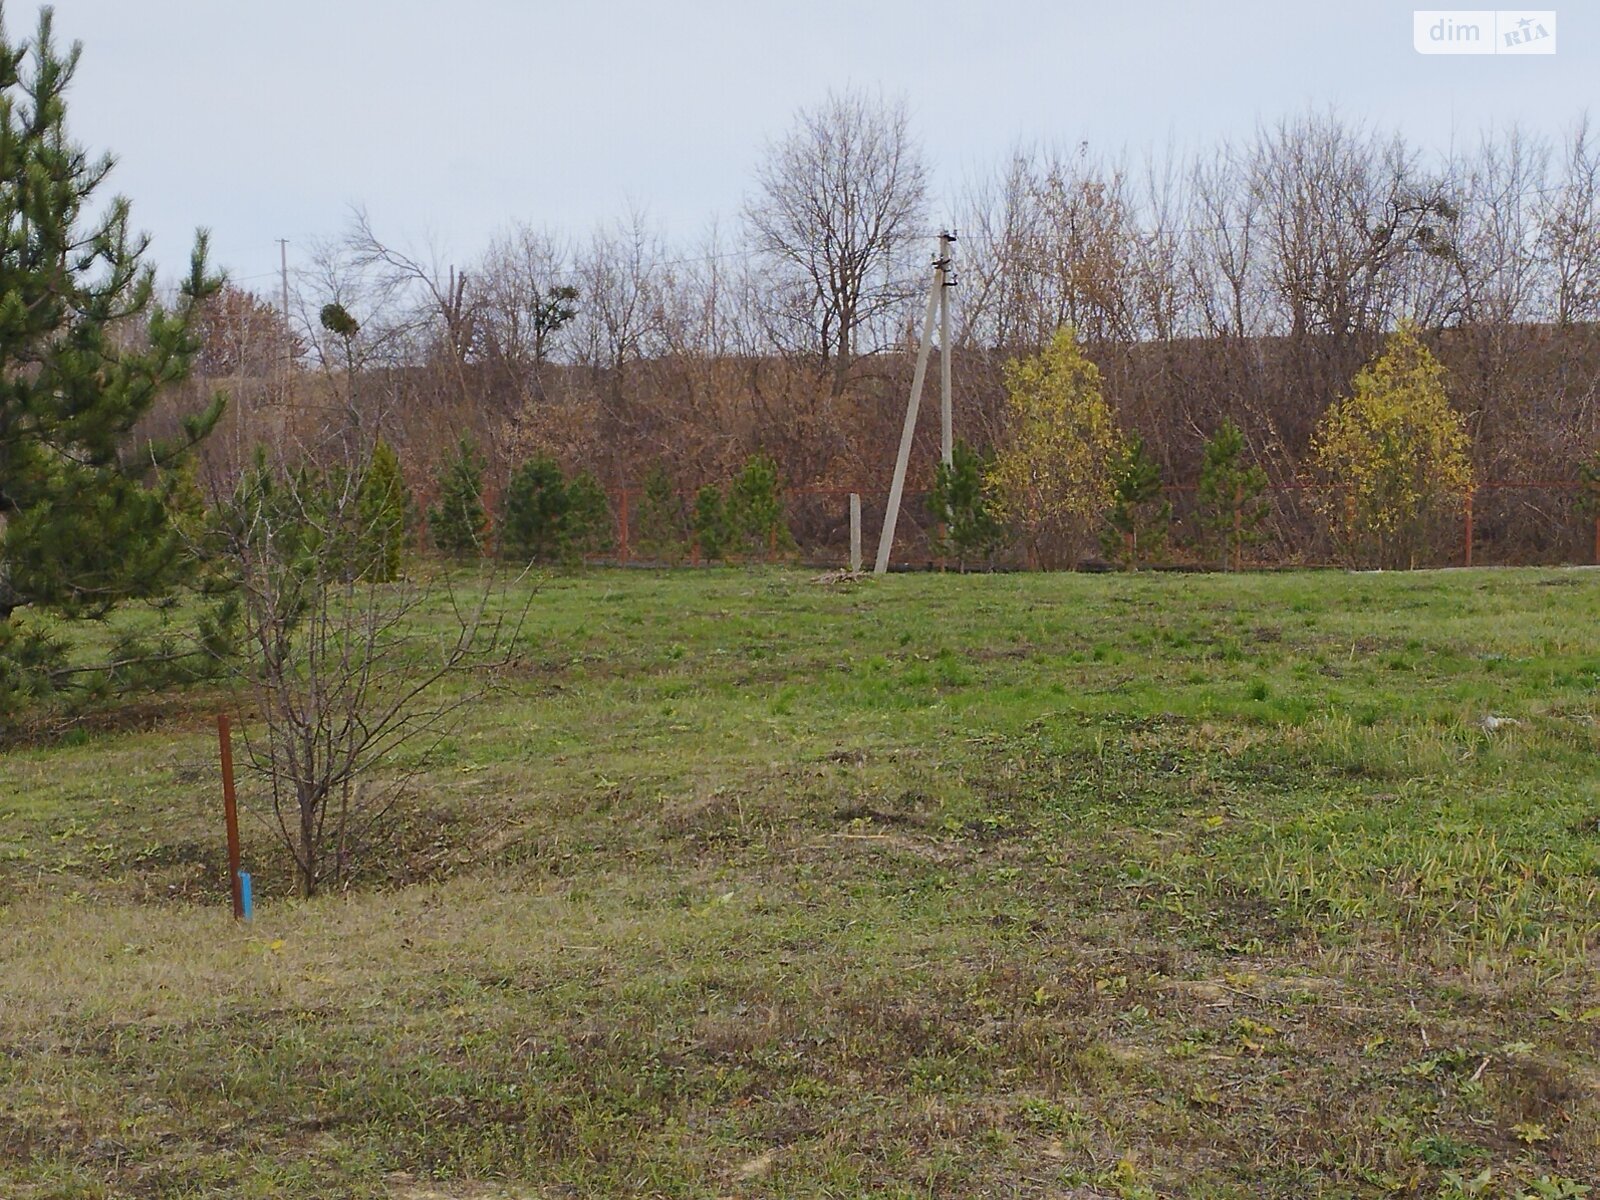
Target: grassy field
747 885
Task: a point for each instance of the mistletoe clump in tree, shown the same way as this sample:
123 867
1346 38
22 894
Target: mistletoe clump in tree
84 522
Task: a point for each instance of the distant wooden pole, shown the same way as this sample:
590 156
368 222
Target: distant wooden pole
288 340
230 812
855 533
1469 529
892 514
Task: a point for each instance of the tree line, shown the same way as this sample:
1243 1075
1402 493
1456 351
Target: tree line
1246 283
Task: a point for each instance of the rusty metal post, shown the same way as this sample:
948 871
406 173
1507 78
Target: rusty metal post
230 811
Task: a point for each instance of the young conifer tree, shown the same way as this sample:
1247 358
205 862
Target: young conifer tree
1136 525
711 523
533 517
83 519
662 523
458 523
755 508
386 510
962 503
1230 493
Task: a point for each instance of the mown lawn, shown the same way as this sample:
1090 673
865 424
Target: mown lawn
749 885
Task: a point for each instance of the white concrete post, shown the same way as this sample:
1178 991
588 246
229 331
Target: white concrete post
855 533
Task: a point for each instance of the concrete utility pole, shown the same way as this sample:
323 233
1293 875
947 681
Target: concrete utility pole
947 280
938 303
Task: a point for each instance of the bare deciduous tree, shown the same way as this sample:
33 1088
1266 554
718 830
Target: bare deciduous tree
439 295
619 274
354 681
1224 237
1342 208
1571 221
840 199
526 300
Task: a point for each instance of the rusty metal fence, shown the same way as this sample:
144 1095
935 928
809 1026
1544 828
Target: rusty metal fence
1500 523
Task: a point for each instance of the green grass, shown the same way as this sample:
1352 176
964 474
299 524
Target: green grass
1044 885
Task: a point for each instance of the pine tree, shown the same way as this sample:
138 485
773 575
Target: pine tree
755 509
533 517
960 501
458 524
588 517
384 511
1136 526
549 518
84 522
661 524
711 523
185 502
1230 493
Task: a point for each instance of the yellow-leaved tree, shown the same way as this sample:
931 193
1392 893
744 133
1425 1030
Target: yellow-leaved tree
1394 457
1053 478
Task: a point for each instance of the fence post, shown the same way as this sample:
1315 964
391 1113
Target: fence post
1469 527
622 521
855 533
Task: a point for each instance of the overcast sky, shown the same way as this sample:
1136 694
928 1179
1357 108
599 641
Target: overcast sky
449 120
